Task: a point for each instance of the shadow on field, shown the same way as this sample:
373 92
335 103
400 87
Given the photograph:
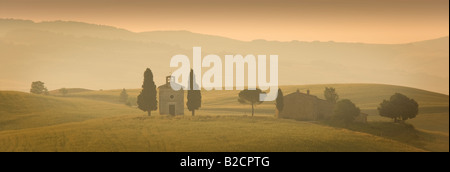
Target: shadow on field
242 111
401 132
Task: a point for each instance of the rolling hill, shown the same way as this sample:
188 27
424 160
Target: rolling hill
101 57
97 121
22 110
104 58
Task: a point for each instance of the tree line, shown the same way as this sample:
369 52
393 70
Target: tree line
399 107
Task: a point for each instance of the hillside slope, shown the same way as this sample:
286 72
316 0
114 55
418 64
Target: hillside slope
23 110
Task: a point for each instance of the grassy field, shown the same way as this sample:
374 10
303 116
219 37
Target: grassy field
205 133
22 110
96 121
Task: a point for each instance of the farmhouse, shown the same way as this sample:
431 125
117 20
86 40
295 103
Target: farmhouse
307 107
170 101
301 106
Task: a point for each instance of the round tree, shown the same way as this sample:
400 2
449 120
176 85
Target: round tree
399 107
38 87
250 97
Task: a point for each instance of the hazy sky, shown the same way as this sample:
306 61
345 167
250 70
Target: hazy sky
371 21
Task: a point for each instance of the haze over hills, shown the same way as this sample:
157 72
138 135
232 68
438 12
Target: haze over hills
74 54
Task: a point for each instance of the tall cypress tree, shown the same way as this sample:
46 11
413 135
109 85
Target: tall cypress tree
147 98
280 101
194 97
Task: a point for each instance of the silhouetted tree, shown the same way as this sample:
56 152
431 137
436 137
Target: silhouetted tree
250 97
280 101
331 95
345 110
123 96
194 97
399 107
38 87
147 98
63 91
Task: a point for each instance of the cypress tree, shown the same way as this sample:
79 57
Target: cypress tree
147 98
194 97
280 101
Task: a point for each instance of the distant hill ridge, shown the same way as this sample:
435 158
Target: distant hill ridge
63 53
79 27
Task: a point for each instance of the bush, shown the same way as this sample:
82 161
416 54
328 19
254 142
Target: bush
346 111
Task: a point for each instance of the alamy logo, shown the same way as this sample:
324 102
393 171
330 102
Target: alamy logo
212 78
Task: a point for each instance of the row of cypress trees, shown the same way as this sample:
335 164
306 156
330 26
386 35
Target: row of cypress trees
147 98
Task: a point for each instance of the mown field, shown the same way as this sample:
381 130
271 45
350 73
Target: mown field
87 120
